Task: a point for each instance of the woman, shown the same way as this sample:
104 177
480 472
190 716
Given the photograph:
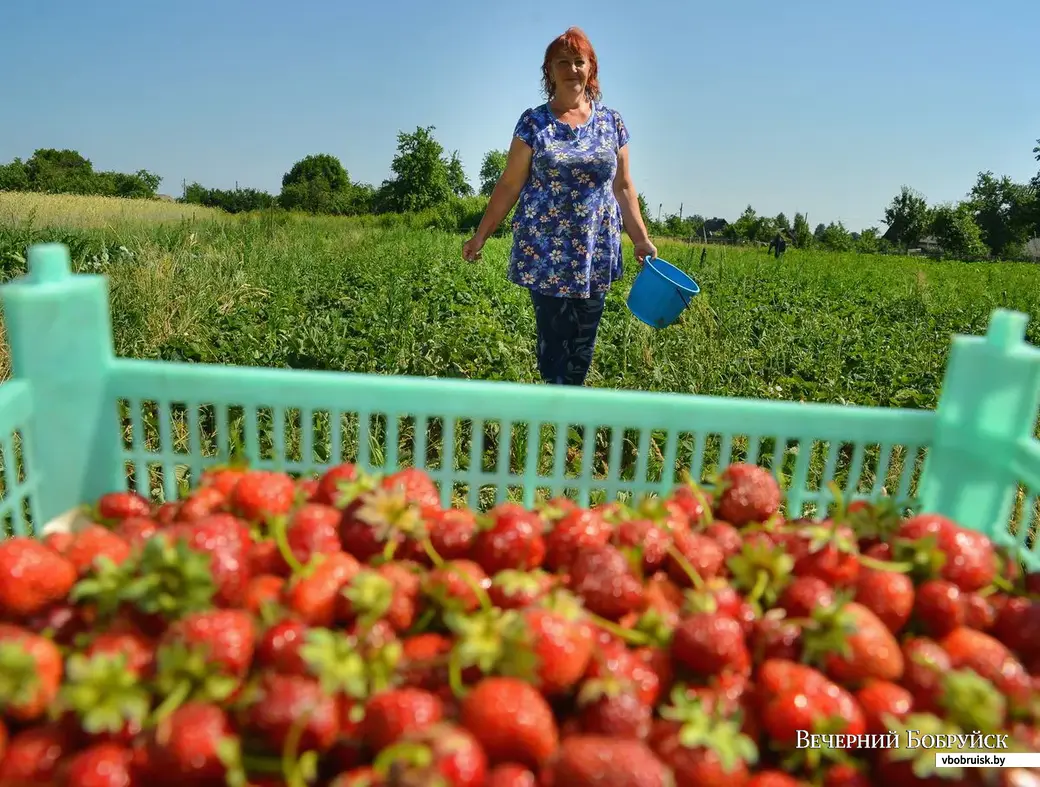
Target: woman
568 166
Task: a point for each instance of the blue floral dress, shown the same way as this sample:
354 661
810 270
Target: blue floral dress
567 224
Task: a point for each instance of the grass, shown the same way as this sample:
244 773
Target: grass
282 291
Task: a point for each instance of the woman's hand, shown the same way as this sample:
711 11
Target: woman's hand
645 250
471 249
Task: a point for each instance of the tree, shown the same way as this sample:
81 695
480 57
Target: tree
836 237
869 241
421 176
457 177
819 233
1003 210
644 209
316 184
60 172
803 238
907 218
782 223
955 229
14 176
491 170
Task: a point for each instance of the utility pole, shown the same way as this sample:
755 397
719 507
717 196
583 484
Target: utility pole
680 211
659 206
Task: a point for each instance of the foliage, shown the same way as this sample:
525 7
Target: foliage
907 217
957 232
491 169
67 172
231 200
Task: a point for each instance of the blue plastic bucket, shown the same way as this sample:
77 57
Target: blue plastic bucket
660 293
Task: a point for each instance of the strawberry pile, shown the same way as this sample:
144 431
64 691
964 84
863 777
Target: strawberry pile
349 631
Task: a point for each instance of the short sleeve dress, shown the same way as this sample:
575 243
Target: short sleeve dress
567 224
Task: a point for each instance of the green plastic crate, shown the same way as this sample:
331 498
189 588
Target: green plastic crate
76 422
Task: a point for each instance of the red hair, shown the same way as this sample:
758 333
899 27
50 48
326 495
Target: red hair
576 42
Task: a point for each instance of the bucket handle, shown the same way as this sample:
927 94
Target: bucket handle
682 295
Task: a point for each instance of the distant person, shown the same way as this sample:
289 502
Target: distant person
778 245
568 166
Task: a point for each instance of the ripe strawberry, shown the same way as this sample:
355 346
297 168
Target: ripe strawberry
510 537
990 659
562 647
34 754
594 760
510 775
382 521
615 662
826 550
32 576
450 757
226 540
853 645
261 494
451 532
978 612
387 594
223 478
772 779
263 591
926 664
971 562
294 704
695 503
313 595
726 536
91 543
827 706
313 530
203 502
938 608
511 720
747 493
804 594
1017 625
773 636
183 748
117 506
612 707
136 530
417 485
651 539
452 584
32 668
880 698
845 775
710 643
701 553
390 714
721 760
888 594
278 648
518 589
227 638
424 661
100 765
579 527
603 579
332 481
138 649
358 777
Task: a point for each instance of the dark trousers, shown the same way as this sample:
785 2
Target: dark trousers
566 336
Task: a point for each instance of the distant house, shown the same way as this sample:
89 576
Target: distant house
927 245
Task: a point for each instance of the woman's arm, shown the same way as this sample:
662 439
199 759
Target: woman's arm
628 199
507 190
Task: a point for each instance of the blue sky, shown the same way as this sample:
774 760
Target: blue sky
807 105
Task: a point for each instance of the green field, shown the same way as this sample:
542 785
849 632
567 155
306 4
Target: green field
338 294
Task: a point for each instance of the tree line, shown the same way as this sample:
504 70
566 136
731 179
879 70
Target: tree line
995 220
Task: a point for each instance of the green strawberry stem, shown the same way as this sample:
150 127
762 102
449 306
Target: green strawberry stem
414 754
458 688
173 701
389 550
257 763
482 597
431 553
280 531
761 584
292 764
686 566
628 635
19 675
886 565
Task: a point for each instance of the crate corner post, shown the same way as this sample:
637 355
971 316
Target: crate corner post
988 406
59 332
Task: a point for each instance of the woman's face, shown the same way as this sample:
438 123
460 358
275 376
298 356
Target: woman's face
570 73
